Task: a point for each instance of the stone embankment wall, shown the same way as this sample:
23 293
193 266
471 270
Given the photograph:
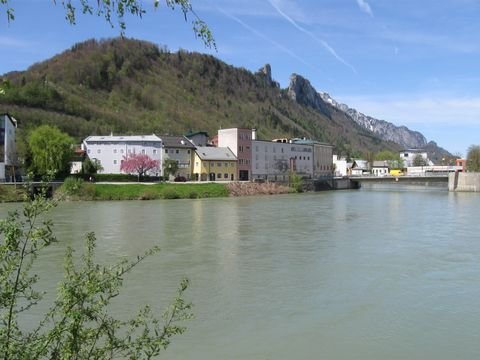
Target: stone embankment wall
250 188
469 182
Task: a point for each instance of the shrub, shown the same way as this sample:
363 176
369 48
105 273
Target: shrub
149 195
72 186
193 195
88 191
80 323
171 194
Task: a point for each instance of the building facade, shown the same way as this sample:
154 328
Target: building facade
214 164
277 160
180 150
240 143
111 150
408 156
8 149
322 159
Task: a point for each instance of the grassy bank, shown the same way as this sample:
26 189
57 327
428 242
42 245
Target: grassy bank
76 189
88 191
8 193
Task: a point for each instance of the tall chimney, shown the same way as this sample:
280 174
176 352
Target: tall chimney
254 134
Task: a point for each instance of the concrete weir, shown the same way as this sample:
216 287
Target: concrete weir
466 182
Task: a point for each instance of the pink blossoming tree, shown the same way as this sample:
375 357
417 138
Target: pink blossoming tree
139 164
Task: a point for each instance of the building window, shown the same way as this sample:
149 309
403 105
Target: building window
98 151
212 164
166 151
154 151
219 164
225 176
219 176
240 148
188 151
176 151
114 151
143 151
88 151
196 163
114 162
226 164
121 151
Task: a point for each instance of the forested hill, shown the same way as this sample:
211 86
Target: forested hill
128 86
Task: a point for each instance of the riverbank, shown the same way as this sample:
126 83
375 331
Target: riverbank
77 190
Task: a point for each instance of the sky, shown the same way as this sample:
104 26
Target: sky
409 62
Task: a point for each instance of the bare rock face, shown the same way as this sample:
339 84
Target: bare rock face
265 73
383 129
301 91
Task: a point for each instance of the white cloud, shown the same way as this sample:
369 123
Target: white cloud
322 42
6 41
365 7
263 36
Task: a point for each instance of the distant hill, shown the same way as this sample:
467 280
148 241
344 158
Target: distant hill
126 86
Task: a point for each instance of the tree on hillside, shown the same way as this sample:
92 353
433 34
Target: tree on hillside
393 159
473 158
139 164
50 151
115 12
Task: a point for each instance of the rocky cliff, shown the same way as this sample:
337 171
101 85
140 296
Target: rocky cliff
304 93
383 129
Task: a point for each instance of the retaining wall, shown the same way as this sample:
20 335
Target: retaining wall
468 182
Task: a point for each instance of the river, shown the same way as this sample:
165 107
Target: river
379 273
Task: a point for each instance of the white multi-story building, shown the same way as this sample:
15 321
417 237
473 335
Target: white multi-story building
8 150
111 150
322 160
276 160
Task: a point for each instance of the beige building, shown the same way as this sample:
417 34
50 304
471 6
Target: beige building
214 164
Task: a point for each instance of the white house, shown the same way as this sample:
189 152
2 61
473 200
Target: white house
340 165
360 167
380 168
8 149
408 156
111 150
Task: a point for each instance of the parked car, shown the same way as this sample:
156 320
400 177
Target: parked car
180 179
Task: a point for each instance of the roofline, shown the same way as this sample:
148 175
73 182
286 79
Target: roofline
11 118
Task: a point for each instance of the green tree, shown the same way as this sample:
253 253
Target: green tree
419 160
170 167
51 151
394 160
79 324
90 167
473 158
114 12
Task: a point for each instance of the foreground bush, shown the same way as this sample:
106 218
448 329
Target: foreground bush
79 324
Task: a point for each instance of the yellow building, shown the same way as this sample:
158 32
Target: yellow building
214 164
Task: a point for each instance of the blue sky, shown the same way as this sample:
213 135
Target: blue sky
410 62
